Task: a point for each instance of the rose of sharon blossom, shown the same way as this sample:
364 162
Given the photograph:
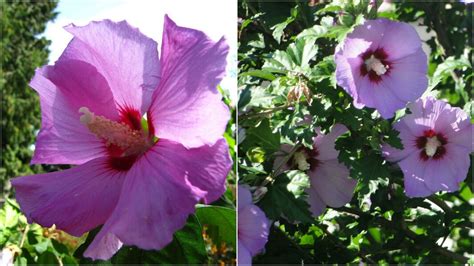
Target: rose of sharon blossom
140 184
330 184
437 140
382 66
253 228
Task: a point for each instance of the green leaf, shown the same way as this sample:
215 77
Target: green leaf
259 74
296 58
302 51
315 32
47 258
263 136
220 222
279 202
278 29
443 71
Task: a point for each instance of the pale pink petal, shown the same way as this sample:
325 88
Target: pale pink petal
127 59
206 166
409 144
325 144
457 161
280 157
82 85
253 228
104 246
62 138
348 67
413 171
160 192
76 200
439 177
407 77
400 40
244 255
386 102
365 89
332 183
464 137
317 205
372 31
244 197
187 107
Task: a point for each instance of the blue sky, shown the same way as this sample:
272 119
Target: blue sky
216 18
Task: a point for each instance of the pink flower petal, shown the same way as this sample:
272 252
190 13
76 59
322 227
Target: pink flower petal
206 167
415 182
386 102
244 255
332 183
253 228
372 31
62 138
244 197
442 176
76 200
458 161
348 67
325 144
280 157
317 205
127 59
104 246
395 46
187 107
409 145
160 192
407 78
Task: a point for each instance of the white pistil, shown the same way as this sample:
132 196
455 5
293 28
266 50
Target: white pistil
431 146
301 161
376 65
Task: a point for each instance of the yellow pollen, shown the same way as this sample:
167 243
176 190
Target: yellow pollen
117 133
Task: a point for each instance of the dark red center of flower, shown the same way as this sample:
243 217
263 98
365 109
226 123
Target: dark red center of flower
375 64
125 140
432 145
304 159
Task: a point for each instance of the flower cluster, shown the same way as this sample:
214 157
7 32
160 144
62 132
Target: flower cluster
381 70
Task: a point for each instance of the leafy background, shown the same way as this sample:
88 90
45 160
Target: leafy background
287 87
209 235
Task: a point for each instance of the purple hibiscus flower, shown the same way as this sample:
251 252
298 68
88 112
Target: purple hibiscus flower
253 228
437 140
382 66
330 184
139 182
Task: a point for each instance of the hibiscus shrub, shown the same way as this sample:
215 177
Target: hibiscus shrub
314 68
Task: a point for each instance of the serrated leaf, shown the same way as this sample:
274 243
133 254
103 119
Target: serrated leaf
263 136
443 71
279 202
